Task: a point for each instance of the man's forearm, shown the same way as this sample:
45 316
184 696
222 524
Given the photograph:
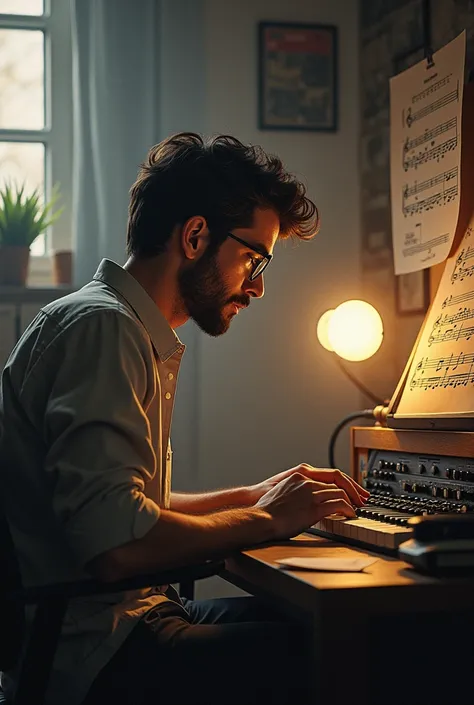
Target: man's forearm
179 539
206 502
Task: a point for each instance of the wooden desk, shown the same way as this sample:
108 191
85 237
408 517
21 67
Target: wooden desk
383 636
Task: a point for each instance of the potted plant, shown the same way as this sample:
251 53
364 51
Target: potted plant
22 219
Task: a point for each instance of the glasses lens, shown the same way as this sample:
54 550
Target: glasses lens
258 269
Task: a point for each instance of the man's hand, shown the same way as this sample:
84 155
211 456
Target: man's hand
295 503
356 494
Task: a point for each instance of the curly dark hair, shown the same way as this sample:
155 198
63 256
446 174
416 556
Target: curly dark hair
219 178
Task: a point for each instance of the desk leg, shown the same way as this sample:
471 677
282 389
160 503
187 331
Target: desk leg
339 649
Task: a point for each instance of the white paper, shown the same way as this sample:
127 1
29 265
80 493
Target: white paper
441 377
343 565
425 157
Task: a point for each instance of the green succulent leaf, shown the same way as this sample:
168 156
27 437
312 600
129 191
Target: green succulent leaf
24 217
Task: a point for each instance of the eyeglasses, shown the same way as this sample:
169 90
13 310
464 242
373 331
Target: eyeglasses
258 265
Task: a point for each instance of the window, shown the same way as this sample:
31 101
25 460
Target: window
36 110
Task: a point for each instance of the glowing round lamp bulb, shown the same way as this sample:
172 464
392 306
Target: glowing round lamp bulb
322 330
355 330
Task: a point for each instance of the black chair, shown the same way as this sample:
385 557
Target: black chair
34 658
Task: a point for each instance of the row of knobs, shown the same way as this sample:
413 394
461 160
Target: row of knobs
386 469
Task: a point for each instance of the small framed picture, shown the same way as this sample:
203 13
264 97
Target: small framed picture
412 292
297 76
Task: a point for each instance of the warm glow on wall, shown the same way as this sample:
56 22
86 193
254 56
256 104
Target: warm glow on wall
322 330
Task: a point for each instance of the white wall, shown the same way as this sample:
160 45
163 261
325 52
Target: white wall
268 395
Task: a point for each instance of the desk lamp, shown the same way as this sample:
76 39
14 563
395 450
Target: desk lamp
353 331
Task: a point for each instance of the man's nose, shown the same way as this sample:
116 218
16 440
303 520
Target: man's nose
256 287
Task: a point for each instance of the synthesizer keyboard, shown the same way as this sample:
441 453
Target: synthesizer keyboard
402 486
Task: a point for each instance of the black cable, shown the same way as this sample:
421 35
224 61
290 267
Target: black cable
362 414
365 390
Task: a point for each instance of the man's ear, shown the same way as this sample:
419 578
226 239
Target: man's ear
195 237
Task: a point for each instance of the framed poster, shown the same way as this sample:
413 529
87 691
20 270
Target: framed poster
412 292
297 76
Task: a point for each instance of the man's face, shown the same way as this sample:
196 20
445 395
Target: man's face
217 285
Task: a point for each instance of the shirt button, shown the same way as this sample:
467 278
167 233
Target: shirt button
167 395
170 375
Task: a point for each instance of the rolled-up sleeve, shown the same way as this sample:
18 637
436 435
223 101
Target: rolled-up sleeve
100 452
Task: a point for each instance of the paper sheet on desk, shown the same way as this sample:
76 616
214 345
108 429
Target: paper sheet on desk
343 565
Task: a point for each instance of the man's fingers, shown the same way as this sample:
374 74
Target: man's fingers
334 506
357 494
332 492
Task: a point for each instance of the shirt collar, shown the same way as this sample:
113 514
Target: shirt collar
164 339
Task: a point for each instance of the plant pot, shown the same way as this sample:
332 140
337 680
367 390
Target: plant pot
14 260
62 267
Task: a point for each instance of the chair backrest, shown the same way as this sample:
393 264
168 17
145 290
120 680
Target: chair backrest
12 614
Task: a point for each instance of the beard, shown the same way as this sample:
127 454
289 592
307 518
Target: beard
205 295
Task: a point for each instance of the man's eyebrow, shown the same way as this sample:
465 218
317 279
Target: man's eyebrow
261 249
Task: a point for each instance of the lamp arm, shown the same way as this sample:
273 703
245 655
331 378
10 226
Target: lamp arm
365 390
364 413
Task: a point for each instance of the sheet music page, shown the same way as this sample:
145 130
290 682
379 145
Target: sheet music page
440 381
425 157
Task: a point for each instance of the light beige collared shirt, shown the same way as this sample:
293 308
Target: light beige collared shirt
86 400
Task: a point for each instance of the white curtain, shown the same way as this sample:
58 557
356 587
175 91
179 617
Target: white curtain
116 119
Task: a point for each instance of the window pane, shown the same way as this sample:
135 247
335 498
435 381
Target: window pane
21 79
22 7
22 162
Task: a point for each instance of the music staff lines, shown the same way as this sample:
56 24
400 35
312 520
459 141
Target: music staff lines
451 362
458 379
459 299
432 89
437 199
425 246
451 334
429 183
442 102
464 314
465 255
461 271
430 135
435 153
443 380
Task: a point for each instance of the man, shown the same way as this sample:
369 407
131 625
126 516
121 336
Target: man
86 403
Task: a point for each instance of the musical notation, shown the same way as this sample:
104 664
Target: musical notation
441 102
427 246
440 380
425 138
463 314
438 199
451 362
460 379
450 335
443 365
429 135
434 154
462 271
456 300
442 178
432 89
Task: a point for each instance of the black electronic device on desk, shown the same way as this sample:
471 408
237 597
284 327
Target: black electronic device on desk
440 544
409 474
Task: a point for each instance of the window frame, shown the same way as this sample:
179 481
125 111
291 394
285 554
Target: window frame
56 135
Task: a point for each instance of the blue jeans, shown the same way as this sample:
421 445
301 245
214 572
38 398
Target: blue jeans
227 651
